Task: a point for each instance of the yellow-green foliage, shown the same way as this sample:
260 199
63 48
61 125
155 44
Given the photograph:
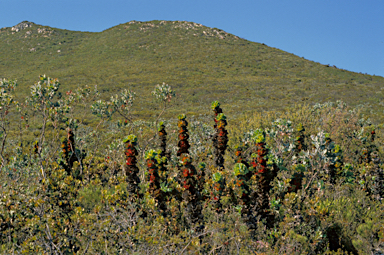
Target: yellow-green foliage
44 209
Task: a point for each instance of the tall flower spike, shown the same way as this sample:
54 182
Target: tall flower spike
241 188
71 148
131 170
163 139
153 174
260 170
68 152
163 154
217 190
220 138
300 146
183 135
191 194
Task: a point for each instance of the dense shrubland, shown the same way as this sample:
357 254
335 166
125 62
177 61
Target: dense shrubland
305 181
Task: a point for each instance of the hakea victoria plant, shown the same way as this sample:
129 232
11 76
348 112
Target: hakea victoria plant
241 187
163 150
70 154
163 139
131 169
261 172
248 196
188 175
220 138
67 152
191 195
183 135
154 159
300 139
217 190
153 174
259 159
201 175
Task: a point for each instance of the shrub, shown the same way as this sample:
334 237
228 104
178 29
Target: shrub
298 190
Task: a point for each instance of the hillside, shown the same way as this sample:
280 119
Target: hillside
80 175
202 64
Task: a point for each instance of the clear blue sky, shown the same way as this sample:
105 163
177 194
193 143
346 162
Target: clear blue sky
345 33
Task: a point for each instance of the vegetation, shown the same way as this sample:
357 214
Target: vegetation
308 180
203 64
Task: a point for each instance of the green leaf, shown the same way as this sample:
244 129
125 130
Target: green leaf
217 177
240 169
258 136
151 154
130 138
215 104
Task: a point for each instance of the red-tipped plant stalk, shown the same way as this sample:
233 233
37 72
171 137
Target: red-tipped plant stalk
218 190
261 172
163 150
183 135
220 138
191 194
131 170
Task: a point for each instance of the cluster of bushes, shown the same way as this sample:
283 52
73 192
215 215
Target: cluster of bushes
308 181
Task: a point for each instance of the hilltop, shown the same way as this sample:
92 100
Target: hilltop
202 64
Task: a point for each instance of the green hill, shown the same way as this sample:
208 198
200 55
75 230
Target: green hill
202 64
306 181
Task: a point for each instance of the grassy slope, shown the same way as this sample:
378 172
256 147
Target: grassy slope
202 64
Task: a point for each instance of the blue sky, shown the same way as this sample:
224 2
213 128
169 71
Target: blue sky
345 33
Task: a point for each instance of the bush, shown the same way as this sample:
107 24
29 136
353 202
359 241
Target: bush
308 181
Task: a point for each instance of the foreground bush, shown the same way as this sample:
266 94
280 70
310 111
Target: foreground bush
308 181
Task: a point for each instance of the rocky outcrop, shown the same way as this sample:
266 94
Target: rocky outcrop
22 25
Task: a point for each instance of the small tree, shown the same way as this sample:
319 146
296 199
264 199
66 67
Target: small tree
6 101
